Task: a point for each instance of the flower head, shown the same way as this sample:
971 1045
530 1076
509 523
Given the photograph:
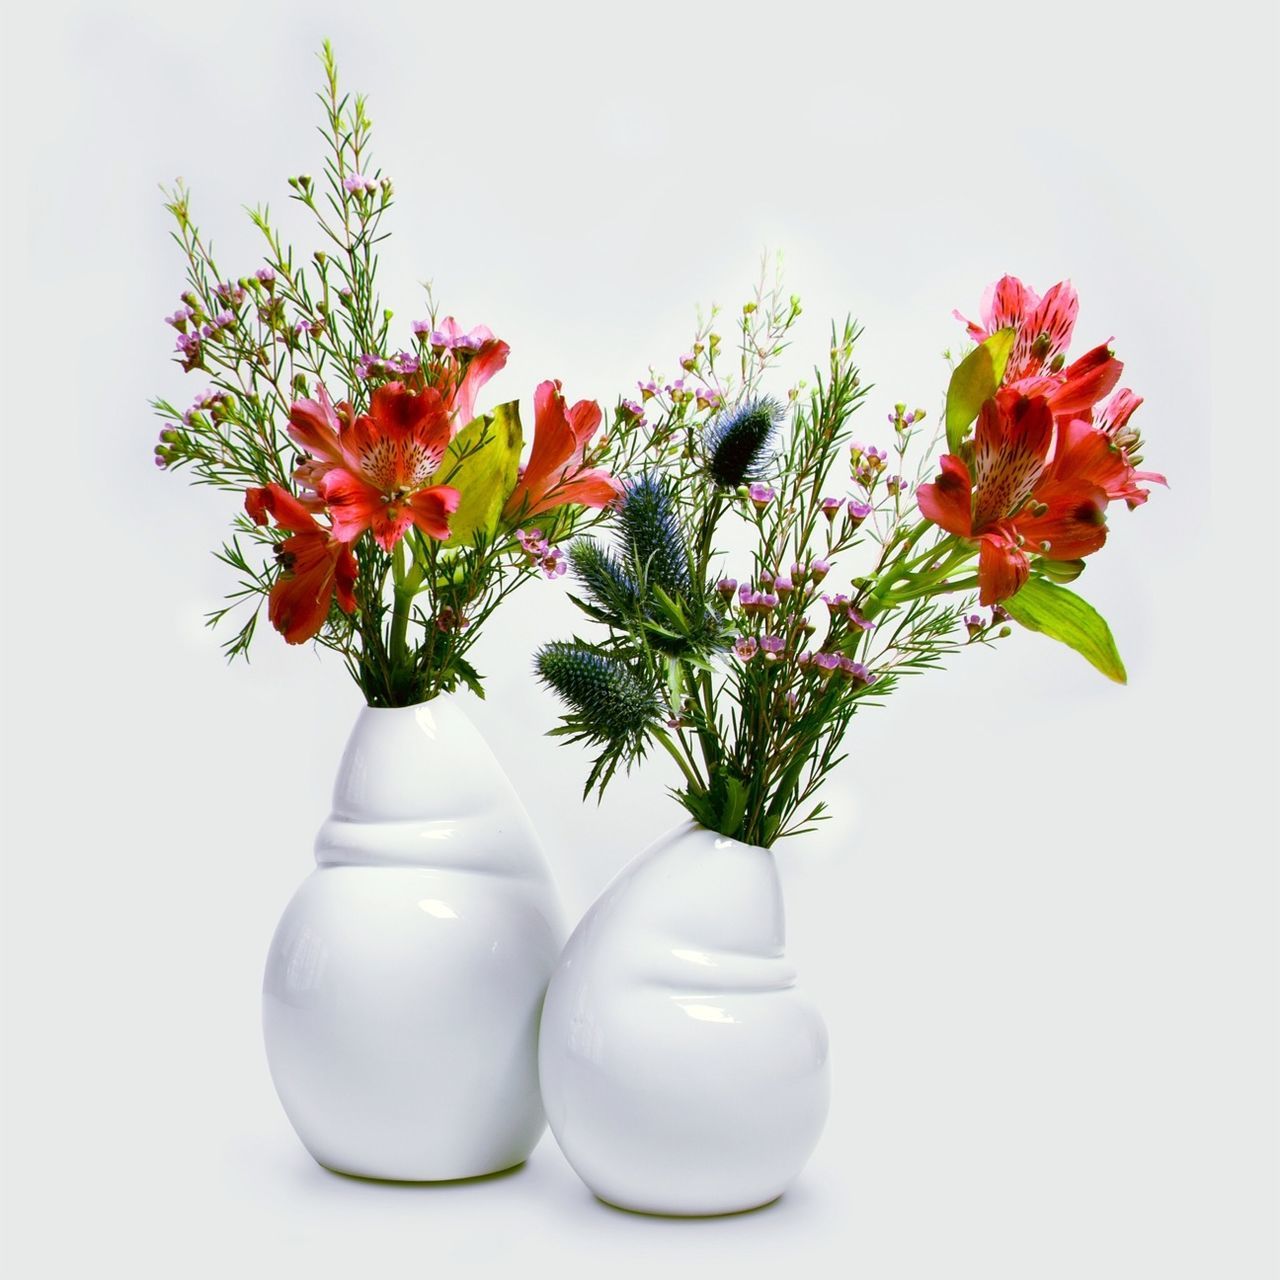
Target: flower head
557 471
553 563
1016 502
857 511
374 470
745 647
315 566
738 442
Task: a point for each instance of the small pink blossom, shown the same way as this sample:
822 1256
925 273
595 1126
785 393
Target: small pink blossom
553 564
533 542
761 495
745 647
774 647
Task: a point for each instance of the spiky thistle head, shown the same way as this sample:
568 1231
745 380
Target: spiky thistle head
739 441
610 706
606 698
651 532
606 581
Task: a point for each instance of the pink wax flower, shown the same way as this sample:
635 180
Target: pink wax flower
533 542
553 564
774 647
761 495
857 511
827 664
745 647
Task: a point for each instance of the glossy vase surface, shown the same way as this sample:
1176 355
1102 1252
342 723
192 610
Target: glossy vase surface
682 1070
404 982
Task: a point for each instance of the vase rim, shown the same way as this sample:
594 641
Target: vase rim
443 698
693 825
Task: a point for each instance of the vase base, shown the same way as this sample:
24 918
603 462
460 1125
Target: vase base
671 1211
445 1180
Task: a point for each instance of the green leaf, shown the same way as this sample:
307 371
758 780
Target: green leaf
1063 615
974 381
481 464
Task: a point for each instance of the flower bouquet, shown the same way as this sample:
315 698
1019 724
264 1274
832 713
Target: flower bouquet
384 517
768 578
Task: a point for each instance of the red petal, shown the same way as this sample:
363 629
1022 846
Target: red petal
430 509
1002 568
353 504
314 425
1056 318
1074 526
948 501
483 365
300 599
345 572
1012 438
584 419
257 502
289 513
1086 381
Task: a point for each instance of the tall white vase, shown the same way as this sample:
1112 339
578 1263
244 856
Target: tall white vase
682 1070
404 983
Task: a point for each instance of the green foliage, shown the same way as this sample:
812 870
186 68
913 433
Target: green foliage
975 380
1064 616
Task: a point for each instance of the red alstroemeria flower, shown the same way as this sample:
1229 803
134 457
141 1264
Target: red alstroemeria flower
373 471
556 472
1108 450
314 566
1017 504
1043 328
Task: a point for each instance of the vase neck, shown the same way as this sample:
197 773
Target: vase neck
419 786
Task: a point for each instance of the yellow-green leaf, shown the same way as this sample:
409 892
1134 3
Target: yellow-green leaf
1063 615
975 380
481 463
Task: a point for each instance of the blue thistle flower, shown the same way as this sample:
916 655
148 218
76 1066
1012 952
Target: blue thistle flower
738 441
609 704
651 532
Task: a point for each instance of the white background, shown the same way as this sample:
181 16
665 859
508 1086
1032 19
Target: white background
1041 925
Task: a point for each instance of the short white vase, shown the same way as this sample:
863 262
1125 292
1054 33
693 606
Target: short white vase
405 980
682 1071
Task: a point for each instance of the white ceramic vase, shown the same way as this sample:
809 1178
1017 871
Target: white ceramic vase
682 1070
405 980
